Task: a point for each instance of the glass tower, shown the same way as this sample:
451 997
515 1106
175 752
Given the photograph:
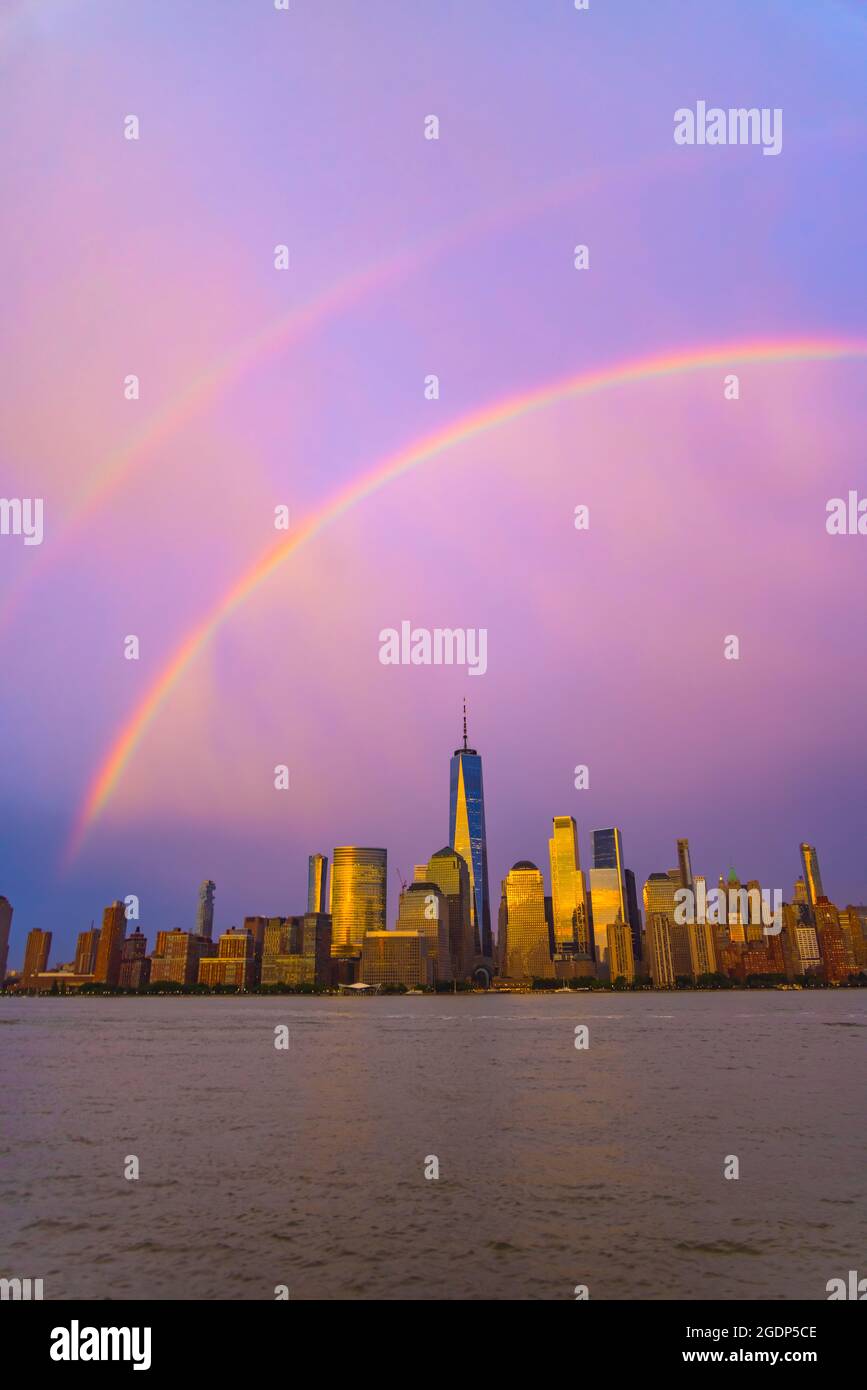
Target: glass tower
317 873
526 949
358 895
812 876
467 836
568 893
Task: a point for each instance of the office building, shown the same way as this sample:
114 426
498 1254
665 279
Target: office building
109 951
358 896
317 874
467 834
525 954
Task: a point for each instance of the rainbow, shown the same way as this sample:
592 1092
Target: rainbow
286 331
421 451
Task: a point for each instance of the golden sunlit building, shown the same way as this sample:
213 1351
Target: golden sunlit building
176 957
812 875
568 891
620 959
358 896
85 951
422 908
658 933
109 951
608 901
396 958
298 952
526 947
317 874
659 901
448 870
235 962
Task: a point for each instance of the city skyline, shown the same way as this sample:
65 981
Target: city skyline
590 924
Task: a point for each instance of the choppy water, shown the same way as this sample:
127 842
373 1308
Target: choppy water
305 1167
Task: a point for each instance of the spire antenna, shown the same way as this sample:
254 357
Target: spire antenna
465 723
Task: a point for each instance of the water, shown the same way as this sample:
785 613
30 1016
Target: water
305 1167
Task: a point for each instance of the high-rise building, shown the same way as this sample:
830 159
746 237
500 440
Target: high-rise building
36 951
619 958
205 913
176 957
633 913
297 950
611 878
282 938
684 864
607 849
526 954
396 958
659 959
659 901
317 874
608 908
85 951
257 926
358 896
234 964
801 945
468 836
422 908
109 952
838 961
852 926
5 927
568 891
812 876
448 870
135 966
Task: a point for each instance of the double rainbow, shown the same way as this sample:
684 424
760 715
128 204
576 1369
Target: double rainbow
467 427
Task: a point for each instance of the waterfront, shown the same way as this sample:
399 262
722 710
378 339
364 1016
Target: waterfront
305 1166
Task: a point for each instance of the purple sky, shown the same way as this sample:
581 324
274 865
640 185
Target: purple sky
707 516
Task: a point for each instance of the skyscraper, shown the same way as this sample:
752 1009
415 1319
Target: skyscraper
684 863
608 850
467 835
358 896
568 893
633 913
317 873
422 908
36 952
526 952
448 870
608 856
5 927
135 965
109 952
85 951
659 904
205 914
812 876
